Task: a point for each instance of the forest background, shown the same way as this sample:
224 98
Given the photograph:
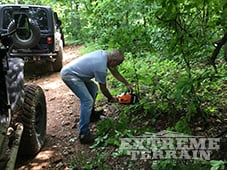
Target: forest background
176 58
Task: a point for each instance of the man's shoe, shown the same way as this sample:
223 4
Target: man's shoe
87 138
96 115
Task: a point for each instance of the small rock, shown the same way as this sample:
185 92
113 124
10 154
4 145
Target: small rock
60 164
56 158
53 98
71 151
65 153
72 139
65 123
54 146
218 120
198 129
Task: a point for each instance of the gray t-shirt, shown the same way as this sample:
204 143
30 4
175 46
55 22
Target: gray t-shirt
88 66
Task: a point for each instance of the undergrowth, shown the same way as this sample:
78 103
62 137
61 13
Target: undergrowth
169 99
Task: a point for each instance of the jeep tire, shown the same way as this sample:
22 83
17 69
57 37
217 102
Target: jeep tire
23 41
57 64
34 120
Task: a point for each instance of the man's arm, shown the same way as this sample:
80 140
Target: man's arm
106 92
119 77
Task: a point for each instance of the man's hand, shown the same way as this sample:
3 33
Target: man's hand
130 88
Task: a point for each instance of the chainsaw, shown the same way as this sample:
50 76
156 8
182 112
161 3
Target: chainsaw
127 98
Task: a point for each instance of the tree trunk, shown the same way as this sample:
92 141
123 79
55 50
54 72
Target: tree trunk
225 51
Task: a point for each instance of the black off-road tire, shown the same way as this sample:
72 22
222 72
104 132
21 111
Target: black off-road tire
34 119
25 42
57 65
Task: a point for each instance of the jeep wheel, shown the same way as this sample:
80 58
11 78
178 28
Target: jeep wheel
34 120
57 65
24 38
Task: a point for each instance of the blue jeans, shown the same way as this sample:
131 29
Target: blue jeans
86 91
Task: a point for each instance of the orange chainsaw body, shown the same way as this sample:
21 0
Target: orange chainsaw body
127 98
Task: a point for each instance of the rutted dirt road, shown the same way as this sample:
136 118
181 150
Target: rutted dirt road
62 111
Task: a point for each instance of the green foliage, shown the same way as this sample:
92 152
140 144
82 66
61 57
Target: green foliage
177 165
183 126
217 165
110 131
97 163
86 162
168 45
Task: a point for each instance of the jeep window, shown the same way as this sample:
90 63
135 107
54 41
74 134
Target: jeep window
37 14
7 18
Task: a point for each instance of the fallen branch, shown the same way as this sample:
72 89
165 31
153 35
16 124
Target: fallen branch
218 45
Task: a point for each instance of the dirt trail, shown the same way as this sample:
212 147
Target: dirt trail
62 111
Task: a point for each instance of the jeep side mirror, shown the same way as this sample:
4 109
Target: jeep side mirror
58 21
